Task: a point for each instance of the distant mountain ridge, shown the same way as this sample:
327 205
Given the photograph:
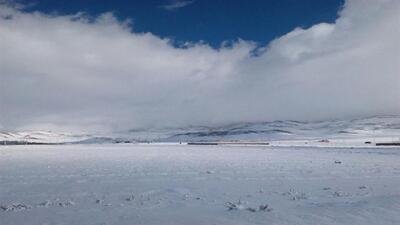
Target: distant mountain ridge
377 126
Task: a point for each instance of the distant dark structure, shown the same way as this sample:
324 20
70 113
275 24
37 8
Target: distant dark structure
24 143
227 143
388 144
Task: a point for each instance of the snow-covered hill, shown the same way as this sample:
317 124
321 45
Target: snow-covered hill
365 128
379 128
40 137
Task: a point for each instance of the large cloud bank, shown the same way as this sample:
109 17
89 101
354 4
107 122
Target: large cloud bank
74 72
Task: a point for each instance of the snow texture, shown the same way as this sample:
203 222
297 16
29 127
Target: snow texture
184 184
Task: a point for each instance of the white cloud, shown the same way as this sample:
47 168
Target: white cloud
176 4
75 74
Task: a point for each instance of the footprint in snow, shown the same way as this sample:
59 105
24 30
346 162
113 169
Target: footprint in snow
130 198
15 207
240 206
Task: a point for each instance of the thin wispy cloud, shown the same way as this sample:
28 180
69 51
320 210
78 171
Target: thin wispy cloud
176 4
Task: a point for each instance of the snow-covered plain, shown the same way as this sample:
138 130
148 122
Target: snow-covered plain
182 184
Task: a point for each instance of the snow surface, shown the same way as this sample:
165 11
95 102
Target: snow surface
196 185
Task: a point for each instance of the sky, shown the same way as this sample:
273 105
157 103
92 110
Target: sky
101 66
211 21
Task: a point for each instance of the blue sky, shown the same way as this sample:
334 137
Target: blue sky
212 21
